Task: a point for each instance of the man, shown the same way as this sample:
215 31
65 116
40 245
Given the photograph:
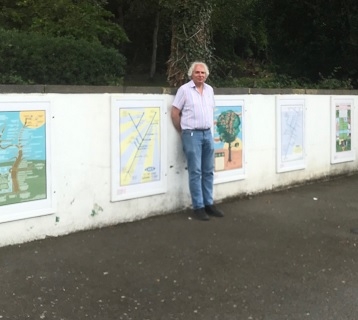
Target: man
193 116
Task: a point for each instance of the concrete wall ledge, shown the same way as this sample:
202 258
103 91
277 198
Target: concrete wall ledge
63 89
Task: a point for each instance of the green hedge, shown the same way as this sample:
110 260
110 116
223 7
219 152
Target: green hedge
28 58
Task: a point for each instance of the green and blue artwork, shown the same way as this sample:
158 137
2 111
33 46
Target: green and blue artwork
22 156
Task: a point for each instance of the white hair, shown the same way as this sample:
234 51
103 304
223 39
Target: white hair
192 66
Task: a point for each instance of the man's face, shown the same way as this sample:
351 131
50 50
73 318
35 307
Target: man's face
199 75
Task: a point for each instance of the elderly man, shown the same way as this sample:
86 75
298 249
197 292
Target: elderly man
193 117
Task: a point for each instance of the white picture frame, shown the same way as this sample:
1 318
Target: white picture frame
230 153
290 134
26 185
342 129
138 146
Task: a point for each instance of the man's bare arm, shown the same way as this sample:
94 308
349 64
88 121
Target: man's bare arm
176 114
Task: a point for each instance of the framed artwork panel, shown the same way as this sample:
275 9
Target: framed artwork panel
342 129
229 139
138 145
26 187
290 134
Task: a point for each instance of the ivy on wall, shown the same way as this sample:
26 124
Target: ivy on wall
191 38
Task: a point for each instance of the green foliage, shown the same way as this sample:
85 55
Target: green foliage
249 43
80 19
250 74
228 126
238 29
333 81
33 58
283 81
310 39
137 18
11 78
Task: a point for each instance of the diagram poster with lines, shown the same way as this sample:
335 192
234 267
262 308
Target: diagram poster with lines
138 147
290 134
342 126
25 163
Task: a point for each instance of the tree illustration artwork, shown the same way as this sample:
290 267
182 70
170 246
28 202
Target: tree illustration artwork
23 170
5 144
228 127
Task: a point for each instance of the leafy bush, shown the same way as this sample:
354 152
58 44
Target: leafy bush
253 75
282 81
35 59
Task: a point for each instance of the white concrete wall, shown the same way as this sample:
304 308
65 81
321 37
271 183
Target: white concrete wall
81 159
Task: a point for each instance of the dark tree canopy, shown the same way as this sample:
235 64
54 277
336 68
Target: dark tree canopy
270 43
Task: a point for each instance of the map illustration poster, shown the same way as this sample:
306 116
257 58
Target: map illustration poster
290 128
24 168
138 147
342 130
229 142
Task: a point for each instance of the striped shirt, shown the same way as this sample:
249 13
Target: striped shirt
197 110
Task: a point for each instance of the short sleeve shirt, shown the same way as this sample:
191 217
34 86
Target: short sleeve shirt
197 110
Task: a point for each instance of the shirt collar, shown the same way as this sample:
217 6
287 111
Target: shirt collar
192 84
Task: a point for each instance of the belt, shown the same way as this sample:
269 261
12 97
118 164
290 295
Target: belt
199 129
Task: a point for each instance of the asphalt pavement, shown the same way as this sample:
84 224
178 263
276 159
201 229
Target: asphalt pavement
291 254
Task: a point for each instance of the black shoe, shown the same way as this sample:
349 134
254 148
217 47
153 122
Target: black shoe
200 214
213 211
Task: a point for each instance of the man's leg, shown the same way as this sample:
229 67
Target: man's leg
207 159
208 176
192 146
